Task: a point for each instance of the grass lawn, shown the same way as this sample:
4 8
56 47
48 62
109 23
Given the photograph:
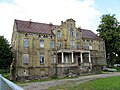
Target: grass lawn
112 83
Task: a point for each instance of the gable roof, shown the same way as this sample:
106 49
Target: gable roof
42 28
88 34
34 27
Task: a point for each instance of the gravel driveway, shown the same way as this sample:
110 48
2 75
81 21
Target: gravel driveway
81 79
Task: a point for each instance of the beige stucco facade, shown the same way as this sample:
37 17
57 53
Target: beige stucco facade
60 53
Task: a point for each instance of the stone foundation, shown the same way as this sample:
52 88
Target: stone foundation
61 72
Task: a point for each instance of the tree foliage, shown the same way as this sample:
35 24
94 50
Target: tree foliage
109 30
5 54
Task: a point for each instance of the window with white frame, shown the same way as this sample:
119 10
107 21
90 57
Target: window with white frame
59 45
41 43
59 34
25 58
25 42
72 44
42 60
52 44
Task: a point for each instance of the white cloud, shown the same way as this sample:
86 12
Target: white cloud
46 11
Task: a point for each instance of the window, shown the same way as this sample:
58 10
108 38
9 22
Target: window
25 42
78 45
59 45
72 44
41 43
41 58
53 59
77 36
59 34
71 32
25 58
52 44
86 46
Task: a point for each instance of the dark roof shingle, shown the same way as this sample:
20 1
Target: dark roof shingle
88 34
34 27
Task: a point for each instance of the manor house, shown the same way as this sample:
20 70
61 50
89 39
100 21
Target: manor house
45 50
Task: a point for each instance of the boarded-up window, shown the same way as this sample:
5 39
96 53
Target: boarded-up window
25 58
53 59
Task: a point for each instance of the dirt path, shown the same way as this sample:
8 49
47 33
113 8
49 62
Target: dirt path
81 79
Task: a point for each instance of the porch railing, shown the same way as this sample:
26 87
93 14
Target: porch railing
8 85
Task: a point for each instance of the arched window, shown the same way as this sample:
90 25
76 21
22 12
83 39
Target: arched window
59 34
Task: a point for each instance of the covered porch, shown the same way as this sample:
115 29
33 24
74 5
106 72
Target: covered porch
69 57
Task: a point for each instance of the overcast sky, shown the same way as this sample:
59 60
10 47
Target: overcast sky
86 13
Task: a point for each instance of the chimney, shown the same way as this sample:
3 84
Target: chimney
51 24
29 23
61 22
79 27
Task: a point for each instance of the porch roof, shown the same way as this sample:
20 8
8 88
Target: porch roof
71 50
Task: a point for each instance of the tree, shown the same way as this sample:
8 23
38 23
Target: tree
6 55
109 30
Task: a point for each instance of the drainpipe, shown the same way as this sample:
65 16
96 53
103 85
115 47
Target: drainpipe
16 63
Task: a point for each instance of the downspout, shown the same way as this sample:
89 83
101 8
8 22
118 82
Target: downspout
17 58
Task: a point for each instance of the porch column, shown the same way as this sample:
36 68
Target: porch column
89 58
72 58
62 58
81 57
